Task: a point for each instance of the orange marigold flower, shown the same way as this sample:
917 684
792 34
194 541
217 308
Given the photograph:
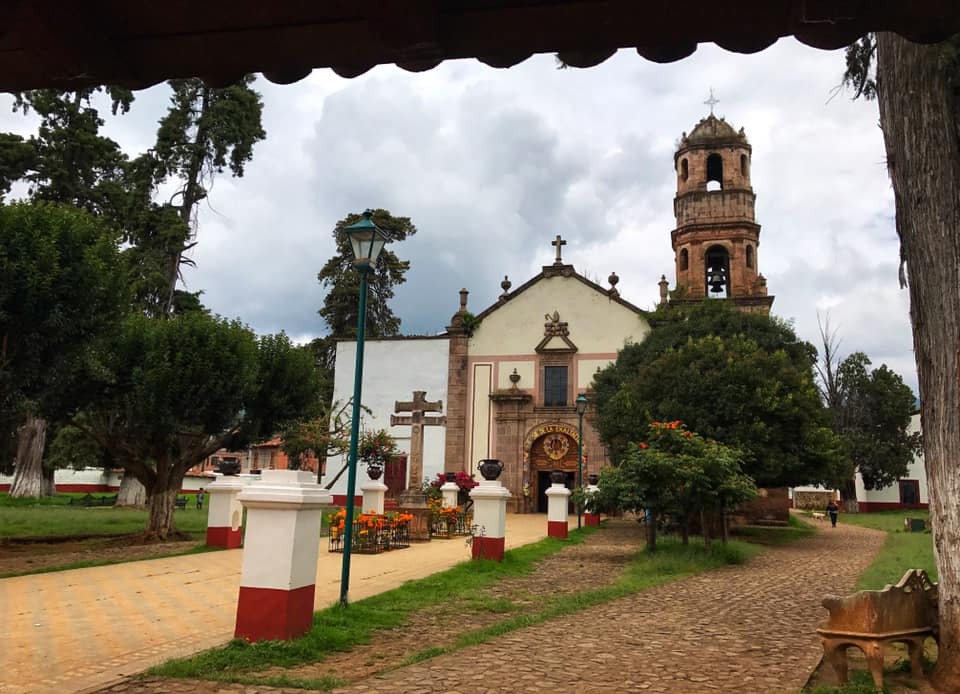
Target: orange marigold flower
643 445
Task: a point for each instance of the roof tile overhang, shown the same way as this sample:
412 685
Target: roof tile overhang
67 44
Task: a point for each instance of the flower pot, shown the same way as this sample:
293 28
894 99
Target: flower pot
451 476
229 468
558 477
593 479
374 472
490 468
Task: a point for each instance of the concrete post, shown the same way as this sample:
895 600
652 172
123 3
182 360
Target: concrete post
451 492
558 499
225 513
588 517
374 492
279 570
490 517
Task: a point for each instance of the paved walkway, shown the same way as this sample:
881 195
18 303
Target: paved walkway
80 630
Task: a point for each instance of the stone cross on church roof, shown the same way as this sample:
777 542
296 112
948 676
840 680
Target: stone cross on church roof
557 243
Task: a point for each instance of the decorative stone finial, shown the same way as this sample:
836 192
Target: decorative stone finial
514 379
463 300
505 286
613 279
663 288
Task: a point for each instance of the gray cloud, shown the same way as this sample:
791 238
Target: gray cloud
492 164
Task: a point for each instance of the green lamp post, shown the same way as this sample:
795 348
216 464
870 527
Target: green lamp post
581 409
366 241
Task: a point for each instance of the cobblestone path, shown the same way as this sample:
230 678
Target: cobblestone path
740 629
745 629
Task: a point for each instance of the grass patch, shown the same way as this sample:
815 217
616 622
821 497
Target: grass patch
901 551
53 516
340 629
860 682
775 535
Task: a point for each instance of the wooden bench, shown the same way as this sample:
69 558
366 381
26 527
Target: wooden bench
905 613
181 503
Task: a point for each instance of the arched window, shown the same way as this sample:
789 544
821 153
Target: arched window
744 165
684 170
715 171
750 256
684 260
716 263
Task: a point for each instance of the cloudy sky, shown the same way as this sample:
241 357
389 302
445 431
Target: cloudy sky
492 164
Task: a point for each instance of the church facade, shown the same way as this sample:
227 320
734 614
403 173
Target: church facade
503 383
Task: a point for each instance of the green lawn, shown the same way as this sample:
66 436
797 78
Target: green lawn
902 550
54 516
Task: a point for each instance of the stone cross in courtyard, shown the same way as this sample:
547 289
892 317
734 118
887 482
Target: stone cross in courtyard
416 420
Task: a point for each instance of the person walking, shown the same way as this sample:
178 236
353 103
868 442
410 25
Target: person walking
833 511
200 500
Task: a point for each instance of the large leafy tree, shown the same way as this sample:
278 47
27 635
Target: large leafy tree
744 380
342 281
179 389
918 91
205 131
871 410
67 161
60 293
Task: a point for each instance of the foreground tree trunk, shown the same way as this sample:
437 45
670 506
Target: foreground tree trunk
160 525
918 97
132 492
28 477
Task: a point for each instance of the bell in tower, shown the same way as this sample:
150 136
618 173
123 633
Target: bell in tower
716 238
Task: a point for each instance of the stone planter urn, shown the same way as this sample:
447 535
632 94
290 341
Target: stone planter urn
593 479
374 471
450 476
558 477
229 468
490 468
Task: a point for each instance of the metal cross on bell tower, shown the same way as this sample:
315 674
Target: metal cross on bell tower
712 101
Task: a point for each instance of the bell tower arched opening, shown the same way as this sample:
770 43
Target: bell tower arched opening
715 171
717 275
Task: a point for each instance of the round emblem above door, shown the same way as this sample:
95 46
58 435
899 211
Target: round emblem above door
556 446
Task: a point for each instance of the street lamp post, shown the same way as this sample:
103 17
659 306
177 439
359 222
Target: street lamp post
581 408
366 241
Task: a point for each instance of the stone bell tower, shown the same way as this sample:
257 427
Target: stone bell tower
716 238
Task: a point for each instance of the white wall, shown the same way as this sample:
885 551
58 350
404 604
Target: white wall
392 370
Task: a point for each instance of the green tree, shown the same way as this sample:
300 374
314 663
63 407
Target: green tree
743 380
673 471
871 411
918 91
342 281
59 295
205 131
181 388
325 433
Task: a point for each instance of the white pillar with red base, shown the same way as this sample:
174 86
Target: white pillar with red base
490 518
279 570
225 514
374 493
558 499
589 518
451 493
